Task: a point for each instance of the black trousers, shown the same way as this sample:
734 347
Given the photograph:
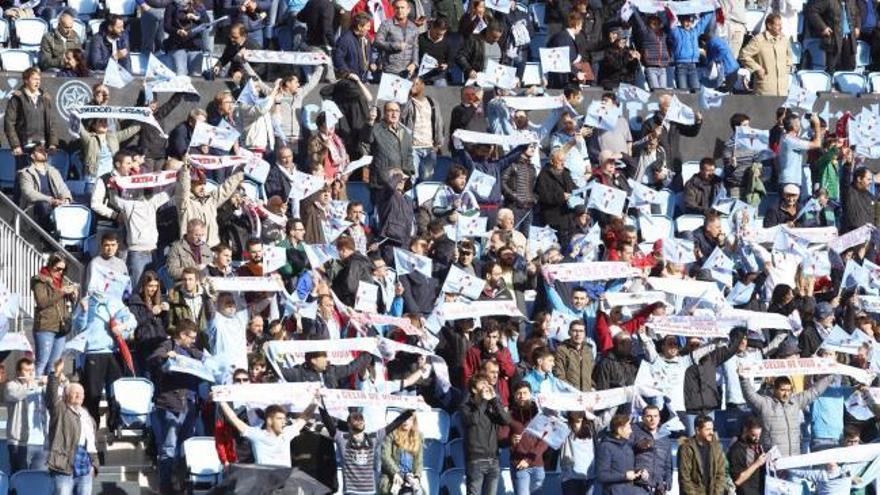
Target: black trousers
842 57
99 372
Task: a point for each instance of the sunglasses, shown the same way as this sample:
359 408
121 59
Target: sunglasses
241 380
59 269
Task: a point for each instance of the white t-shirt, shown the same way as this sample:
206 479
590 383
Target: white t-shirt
271 449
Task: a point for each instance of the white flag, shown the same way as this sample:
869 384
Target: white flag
115 76
709 98
628 92
679 112
461 282
407 261
749 138
428 64
607 199
799 97
393 88
220 137
555 60
480 184
602 116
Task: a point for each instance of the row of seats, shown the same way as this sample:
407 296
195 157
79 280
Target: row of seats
849 82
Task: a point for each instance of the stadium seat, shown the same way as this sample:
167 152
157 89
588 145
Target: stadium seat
655 227
84 8
863 55
453 481
688 223
30 32
505 483
852 83
874 79
433 424
30 482
79 27
202 463
4 483
121 7
754 17
455 452
7 169
431 481
139 63
133 398
4 32
688 170
553 482
433 454
441 168
95 25
816 55
73 224
814 80
797 51
425 191
61 161
360 191
17 60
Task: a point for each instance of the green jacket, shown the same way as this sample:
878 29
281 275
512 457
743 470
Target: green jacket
391 464
690 469
829 171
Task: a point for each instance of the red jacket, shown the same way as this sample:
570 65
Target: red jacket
362 7
603 327
224 441
475 358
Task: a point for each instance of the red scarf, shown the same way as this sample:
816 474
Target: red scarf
56 280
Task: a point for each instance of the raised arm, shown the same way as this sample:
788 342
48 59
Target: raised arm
232 419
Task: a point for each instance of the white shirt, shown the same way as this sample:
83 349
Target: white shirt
271 449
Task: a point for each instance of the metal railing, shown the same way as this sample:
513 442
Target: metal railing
21 259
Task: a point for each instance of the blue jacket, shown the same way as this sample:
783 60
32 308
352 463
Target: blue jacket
253 22
614 458
685 42
347 55
94 322
657 459
100 50
535 379
717 50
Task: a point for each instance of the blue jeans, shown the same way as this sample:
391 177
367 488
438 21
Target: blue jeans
528 481
818 444
171 430
185 62
656 77
23 457
482 476
686 76
66 484
290 32
731 425
152 33
49 347
137 262
424 160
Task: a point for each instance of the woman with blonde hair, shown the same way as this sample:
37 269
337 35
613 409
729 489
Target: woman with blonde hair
402 460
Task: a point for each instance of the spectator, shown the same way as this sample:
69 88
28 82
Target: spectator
180 20
747 459
468 114
786 209
540 378
518 188
281 177
619 140
577 456
397 43
239 43
42 189
359 449
769 57
858 202
696 476
482 415
253 15
437 45
779 414
553 188
51 314
685 48
838 25
106 262
318 15
527 451
189 300
475 20
402 459
73 451
791 151
353 48
718 53
317 368
670 132
619 367
568 37
620 63
654 49
422 115
28 422
574 358
111 42
151 314
74 64
193 201
55 43
708 237
356 269
653 451
100 152
27 122
477 51
152 17
221 265
391 146
189 252
180 137
176 398
615 460
703 189
288 104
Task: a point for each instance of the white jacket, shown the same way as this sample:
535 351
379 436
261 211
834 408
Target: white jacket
139 213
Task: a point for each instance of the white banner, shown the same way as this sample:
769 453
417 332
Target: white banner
758 320
366 319
533 102
680 113
189 366
477 309
555 60
211 162
804 366
613 299
686 288
693 326
583 401
15 341
139 114
145 181
588 271
244 284
607 199
220 137
870 304
515 140
287 58
852 238
856 453
552 430
300 395
815 235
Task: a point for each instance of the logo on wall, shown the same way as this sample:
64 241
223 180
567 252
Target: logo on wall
70 95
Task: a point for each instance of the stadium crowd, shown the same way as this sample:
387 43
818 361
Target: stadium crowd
546 284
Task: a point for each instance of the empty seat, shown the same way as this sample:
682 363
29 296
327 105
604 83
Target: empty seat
453 480
32 483
73 224
121 7
84 8
7 169
455 452
688 223
863 55
874 79
4 32
202 463
17 60
814 80
849 82
30 32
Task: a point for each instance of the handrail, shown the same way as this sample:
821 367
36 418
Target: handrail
19 214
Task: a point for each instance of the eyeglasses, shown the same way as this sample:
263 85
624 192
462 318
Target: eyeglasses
241 380
59 269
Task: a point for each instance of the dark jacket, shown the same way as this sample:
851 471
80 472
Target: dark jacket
653 454
614 371
777 216
518 185
419 293
443 252
740 456
176 19
54 45
150 140
50 306
670 137
349 54
390 150
173 390
319 15
150 332
654 46
562 39
230 54
178 141
472 55
332 377
691 469
495 168
614 457
28 123
100 50
277 183
252 21
481 422
858 205
819 14
699 194
617 66
700 390
64 430
354 270
550 189
395 218
453 347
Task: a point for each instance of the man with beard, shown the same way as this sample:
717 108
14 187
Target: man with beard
708 237
258 302
496 288
489 348
747 459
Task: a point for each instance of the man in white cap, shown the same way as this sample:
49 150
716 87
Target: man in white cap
787 208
